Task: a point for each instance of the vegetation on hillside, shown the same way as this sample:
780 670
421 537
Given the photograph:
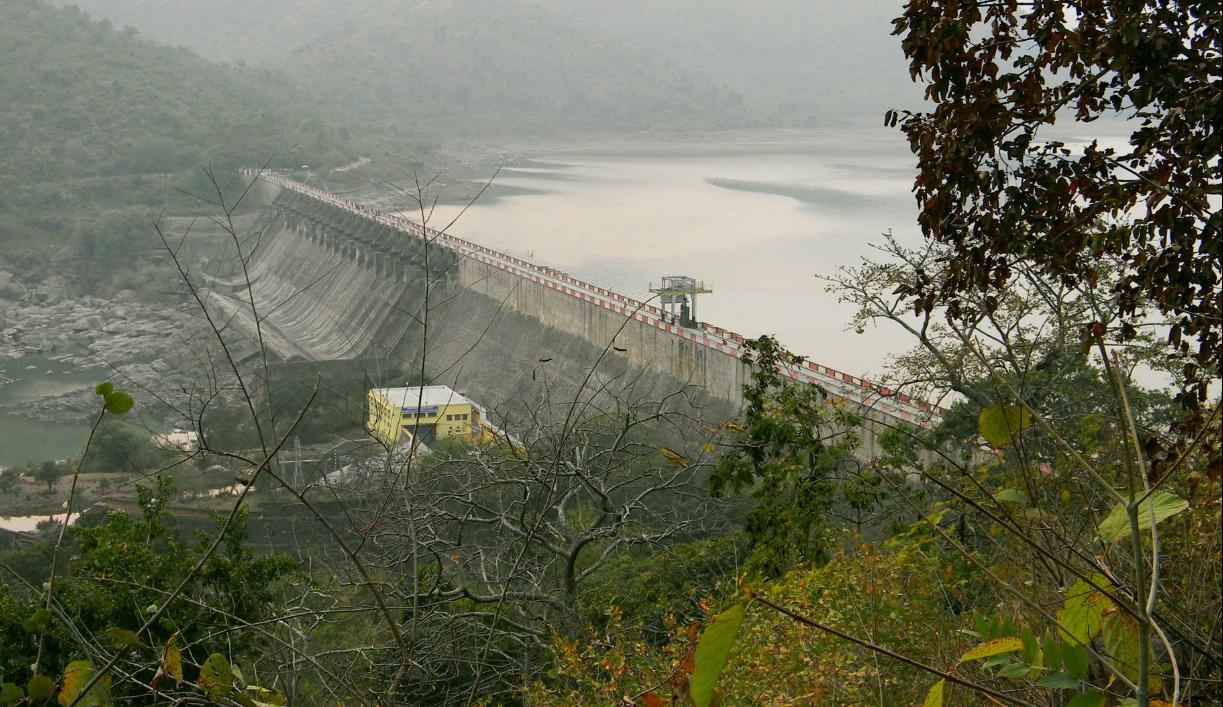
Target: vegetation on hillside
100 127
450 70
793 62
799 61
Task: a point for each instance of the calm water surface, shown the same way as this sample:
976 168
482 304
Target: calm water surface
758 225
23 440
28 524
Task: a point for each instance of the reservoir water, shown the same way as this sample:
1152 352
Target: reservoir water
757 219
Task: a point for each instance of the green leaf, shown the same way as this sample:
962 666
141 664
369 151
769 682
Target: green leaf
1015 670
934 696
1008 644
10 693
1076 660
216 677
1000 425
1012 496
76 676
104 389
37 622
982 624
118 402
1052 650
1117 525
712 652
40 687
1094 698
1032 654
1059 681
1082 614
1120 636
122 636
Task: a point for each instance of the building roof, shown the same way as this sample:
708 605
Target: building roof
428 396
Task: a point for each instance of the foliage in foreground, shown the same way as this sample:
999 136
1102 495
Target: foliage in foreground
122 569
994 184
896 597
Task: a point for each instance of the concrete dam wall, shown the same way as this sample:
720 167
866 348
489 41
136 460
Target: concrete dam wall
322 292
335 279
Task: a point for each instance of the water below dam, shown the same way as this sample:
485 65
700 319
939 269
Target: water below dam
756 219
23 440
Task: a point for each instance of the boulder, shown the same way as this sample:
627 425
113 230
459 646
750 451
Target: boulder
10 289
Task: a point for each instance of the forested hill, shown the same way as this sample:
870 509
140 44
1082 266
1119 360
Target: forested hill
472 67
99 125
442 69
790 62
79 99
820 58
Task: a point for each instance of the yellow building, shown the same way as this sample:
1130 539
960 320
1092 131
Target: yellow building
428 413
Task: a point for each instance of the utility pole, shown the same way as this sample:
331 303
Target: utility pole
297 472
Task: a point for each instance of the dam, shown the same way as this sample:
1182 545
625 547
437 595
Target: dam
338 280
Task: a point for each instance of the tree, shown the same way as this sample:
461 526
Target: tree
497 544
47 473
775 660
1031 334
122 565
8 480
1080 562
1047 452
992 184
117 447
792 451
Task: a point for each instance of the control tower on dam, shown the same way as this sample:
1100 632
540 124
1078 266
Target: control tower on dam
339 280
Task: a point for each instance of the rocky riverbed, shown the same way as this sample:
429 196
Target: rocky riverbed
134 342
156 383
90 332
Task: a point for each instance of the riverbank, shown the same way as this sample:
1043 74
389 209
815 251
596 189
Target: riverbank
28 501
55 349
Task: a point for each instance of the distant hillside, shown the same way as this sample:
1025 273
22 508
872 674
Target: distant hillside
491 66
254 31
79 99
98 126
448 68
818 58
790 61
